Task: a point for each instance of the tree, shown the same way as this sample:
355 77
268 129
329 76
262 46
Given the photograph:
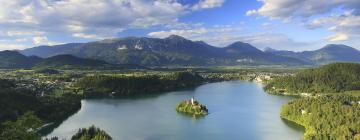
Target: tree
91 133
24 128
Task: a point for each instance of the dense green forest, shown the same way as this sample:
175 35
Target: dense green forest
331 78
327 117
23 128
26 126
49 109
123 85
91 133
16 102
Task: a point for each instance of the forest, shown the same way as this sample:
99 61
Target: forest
330 117
26 127
17 103
331 78
124 85
91 133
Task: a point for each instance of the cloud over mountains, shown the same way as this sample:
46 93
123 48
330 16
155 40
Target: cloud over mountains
89 19
340 16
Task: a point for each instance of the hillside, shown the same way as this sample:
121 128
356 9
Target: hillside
69 61
123 85
247 54
171 51
328 54
15 60
12 59
325 117
331 78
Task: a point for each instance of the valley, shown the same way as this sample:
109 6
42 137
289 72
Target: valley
179 69
50 89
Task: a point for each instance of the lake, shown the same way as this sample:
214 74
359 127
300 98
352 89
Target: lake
238 110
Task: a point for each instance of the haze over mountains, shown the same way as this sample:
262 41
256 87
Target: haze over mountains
171 51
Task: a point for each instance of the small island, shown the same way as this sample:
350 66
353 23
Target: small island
192 107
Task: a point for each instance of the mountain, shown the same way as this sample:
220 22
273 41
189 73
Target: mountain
248 54
328 54
329 78
45 51
13 60
69 61
173 50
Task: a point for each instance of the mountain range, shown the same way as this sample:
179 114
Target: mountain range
13 60
171 51
328 54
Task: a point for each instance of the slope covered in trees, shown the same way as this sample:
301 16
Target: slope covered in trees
15 60
326 117
91 133
24 128
122 85
69 61
331 78
15 102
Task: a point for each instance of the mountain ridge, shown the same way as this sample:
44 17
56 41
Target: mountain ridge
173 50
15 60
327 54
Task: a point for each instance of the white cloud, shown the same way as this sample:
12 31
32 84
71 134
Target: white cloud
88 16
285 9
43 40
21 39
320 13
185 33
39 40
206 4
88 19
88 36
251 12
223 35
345 26
263 40
196 32
338 37
11 33
6 46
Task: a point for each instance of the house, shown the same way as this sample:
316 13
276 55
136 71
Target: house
303 112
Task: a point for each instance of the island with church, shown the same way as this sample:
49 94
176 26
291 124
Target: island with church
192 107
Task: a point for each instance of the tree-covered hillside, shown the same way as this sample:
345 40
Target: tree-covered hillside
16 60
12 59
123 85
91 133
326 117
69 61
15 102
336 77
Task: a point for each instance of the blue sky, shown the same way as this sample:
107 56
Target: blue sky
279 24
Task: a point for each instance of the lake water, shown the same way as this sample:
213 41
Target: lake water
238 110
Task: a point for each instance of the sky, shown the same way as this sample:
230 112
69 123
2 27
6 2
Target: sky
295 25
